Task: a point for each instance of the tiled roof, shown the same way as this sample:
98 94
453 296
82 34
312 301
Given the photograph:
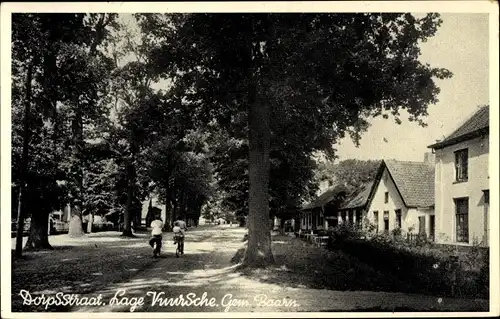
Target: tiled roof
414 180
477 122
359 198
325 197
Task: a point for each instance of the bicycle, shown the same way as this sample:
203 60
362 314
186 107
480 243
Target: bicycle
179 239
155 243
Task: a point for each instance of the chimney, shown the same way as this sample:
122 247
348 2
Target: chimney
429 158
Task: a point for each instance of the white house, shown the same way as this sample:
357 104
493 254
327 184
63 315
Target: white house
462 182
402 197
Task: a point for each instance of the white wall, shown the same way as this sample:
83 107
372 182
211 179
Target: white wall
447 189
412 218
409 216
202 221
395 202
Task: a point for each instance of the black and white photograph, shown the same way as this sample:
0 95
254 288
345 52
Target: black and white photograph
239 159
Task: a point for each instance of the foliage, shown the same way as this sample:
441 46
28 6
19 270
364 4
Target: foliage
56 72
352 173
100 183
348 67
315 77
427 268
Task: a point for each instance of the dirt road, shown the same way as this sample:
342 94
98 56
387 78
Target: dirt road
205 279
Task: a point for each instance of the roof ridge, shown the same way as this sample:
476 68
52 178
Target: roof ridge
401 161
471 116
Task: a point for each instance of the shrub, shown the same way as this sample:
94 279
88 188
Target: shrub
342 233
426 268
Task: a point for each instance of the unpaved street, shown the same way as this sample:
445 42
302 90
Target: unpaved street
205 279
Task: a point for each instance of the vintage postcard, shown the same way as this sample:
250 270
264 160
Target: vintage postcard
249 159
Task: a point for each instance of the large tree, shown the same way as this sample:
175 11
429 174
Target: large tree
48 70
327 73
86 70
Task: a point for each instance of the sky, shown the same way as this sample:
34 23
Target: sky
461 45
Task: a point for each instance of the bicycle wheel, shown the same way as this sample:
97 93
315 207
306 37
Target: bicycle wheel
177 250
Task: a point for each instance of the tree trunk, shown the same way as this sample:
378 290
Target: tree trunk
127 217
75 223
174 210
282 226
168 213
24 163
182 205
89 224
258 252
39 232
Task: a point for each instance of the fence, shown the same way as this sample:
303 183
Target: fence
419 238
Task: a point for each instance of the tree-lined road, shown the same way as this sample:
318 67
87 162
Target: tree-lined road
206 271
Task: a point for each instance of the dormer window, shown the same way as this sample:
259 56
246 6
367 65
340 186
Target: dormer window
461 163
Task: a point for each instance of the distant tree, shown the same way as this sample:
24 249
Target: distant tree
292 171
351 173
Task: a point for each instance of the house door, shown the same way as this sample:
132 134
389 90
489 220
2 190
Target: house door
421 225
375 218
432 226
386 221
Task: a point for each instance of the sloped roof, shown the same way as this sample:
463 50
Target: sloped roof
359 198
477 123
414 180
325 197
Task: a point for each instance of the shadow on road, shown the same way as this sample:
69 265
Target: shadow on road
95 262
301 265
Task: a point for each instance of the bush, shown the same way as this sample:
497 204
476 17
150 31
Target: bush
417 270
340 234
426 268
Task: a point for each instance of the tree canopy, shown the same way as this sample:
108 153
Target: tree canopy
247 101
315 77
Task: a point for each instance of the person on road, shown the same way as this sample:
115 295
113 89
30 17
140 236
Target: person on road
179 232
156 235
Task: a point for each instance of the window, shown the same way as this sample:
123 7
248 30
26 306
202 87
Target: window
375 218
462 219
386 221
461 159
359 218
398 218
386 197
